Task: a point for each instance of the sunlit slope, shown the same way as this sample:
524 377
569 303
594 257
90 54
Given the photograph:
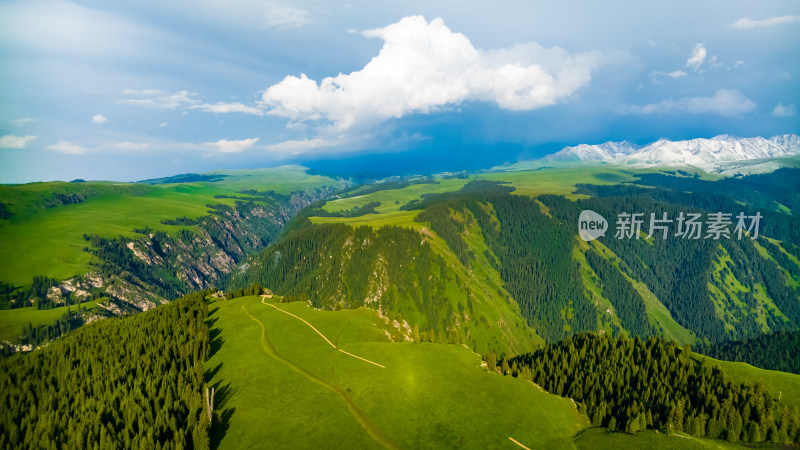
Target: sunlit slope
411 275
783 385
281 384
600 439
44 235
727 306
658 315
13 321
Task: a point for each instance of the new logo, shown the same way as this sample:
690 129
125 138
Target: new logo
591 225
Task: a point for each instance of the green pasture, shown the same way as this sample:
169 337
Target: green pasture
601 439
13 321
39 241
282 385
783 385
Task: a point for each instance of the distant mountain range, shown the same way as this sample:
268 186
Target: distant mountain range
702 153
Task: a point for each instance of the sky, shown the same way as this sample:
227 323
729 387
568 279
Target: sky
129 90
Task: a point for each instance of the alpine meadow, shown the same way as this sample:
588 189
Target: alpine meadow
401 226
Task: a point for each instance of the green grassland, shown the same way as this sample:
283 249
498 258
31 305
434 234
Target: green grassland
561 178
547 180
782 384
392 199
600 439
726 293
397 218
488 318
281 385
282 179
12 321
49 241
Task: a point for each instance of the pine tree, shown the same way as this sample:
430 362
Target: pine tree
612 424
491 360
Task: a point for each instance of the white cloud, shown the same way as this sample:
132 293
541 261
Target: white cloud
68 148
228 108
698 56
784 111
99 118
13 141
738 63
19 123
126 145
162 124
286 17
299 146
725 102
226 146
154 98
745 23
657 75
424 67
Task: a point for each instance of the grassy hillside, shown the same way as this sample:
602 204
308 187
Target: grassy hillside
601 439
44 236
689 290
12 321
781 384
410 274
282 385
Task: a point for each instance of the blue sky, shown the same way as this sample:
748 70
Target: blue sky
131 90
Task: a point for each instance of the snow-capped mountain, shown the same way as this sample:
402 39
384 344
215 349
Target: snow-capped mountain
710 152
599 152
702 153
790 141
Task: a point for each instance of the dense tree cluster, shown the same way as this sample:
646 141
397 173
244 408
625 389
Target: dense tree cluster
629 385
133 382
36 294
35 335
5 214
255 289
337 266
356 211
678 271
627 301
481 187
115 258
534 253
778 351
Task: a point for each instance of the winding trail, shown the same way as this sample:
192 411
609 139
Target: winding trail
263 300
266 344
517 442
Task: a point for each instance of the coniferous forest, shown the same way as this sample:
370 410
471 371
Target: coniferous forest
779 351
630 385
122 383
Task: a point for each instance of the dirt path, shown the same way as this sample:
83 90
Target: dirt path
263 300
517 442
266 345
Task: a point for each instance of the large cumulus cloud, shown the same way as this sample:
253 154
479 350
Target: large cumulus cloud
423 67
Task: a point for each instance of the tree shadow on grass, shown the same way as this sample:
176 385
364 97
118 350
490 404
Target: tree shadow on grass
216 341
222 392
222 415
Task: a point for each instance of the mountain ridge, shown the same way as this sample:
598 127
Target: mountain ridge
707 154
